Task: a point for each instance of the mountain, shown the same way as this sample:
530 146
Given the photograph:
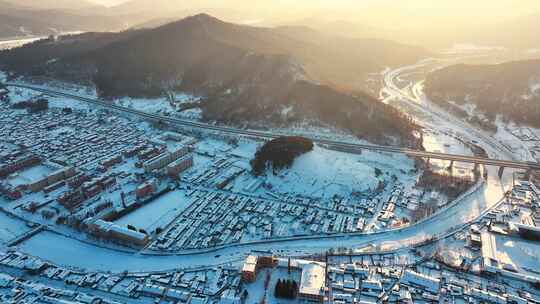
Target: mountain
246 74
510 89
13 26
53 4
22 19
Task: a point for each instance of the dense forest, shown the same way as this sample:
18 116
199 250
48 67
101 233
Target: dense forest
510 89
450 185
279 153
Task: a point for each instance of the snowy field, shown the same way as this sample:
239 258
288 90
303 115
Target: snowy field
321 173
162 106
157 213
324 173
19 95
29 175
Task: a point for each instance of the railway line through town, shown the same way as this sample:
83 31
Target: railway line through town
268 135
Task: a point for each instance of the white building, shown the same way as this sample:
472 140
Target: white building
312 282
415 279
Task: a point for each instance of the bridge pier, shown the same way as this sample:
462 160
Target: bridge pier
528 174
451 166
501 172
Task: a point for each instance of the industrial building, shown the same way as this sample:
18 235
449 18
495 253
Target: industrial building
112 232
162 160
179 166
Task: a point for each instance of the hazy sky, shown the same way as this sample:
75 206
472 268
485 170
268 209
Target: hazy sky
479 7
471 10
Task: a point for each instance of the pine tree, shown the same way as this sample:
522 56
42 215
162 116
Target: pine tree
288 289
294 289
277 289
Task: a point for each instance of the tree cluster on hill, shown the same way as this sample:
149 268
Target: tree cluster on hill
448 184
245 74
286 289
280 153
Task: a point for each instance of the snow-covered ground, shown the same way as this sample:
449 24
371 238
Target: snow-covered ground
163 106
307 129
321 173
324 173
19 95
157 213
29 175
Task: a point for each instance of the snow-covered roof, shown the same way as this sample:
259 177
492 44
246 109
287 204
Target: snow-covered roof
312 281
418 279
229 297
523 227
251 264
372 284
489 247
128 232
108 226
5 279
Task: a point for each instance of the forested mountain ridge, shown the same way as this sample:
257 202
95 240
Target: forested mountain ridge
246 74
511 89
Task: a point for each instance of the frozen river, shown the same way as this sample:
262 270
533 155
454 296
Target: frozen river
66 251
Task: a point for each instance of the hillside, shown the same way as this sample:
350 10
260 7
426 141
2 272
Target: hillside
511 89
13 26
52 4
247 74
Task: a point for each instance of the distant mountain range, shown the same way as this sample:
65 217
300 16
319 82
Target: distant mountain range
247 74
37 18
52 4
516 33
510 89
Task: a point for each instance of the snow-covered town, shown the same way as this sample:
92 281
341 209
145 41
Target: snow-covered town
115 199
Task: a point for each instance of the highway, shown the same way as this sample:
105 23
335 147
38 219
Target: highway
268 135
